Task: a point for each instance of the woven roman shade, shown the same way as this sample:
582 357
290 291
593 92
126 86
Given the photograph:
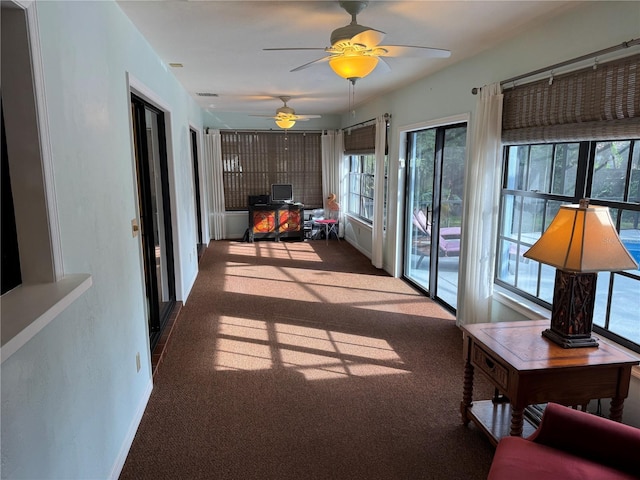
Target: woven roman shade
588 104
360 141
253 161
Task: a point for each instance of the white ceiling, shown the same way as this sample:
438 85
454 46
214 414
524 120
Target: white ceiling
220 44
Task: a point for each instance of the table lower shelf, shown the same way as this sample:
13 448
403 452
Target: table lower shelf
494 419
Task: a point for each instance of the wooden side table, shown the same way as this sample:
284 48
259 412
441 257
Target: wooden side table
528 369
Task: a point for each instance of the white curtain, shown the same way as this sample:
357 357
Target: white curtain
332 177
480 210
377 240
213 157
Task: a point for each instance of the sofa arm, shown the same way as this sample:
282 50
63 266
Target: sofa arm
589 436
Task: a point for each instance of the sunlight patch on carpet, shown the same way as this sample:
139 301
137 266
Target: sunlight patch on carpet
316 353
242 355
338 289
303 252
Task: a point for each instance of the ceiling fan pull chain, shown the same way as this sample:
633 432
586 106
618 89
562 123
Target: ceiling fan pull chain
353 103
352 94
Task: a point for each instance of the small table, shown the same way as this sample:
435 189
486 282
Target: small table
330 225
529 369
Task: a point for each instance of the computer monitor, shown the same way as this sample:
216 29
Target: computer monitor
281 193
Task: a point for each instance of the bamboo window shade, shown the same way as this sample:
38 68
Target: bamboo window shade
253 161
360 141
592 103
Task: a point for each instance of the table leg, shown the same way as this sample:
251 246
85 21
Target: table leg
615 411
517 420
467 392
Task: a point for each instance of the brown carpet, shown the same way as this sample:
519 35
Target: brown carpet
302 361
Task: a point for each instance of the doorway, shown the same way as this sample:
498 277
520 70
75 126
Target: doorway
433 219
200 245
155 213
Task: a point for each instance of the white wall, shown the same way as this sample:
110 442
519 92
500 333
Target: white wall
71 397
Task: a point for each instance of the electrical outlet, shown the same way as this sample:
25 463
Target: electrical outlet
138 362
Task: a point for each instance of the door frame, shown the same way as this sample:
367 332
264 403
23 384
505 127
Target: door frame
402 132
155 225
402 215
138 88
199 176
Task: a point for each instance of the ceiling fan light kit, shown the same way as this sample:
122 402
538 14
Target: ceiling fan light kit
285 123
285 116
353 65
355 49
354 53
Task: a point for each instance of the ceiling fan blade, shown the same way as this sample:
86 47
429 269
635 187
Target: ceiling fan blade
295 48
302 118
369 38
413 51
382 66
310 64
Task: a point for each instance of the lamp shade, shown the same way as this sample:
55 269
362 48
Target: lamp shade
582 238
353 65
285 122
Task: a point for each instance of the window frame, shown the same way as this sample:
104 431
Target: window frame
360 175
582 188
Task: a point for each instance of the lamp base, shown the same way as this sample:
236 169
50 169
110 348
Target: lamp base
572 311
575 341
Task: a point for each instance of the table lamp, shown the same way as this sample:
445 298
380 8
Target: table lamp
580 241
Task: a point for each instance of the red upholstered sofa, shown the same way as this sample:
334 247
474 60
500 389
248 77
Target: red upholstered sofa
570 444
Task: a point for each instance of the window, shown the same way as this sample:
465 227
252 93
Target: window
253 161
537 179
361 175
360 150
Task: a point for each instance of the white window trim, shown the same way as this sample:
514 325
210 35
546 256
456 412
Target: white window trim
45 291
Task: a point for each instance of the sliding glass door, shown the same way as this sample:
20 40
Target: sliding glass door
200 245
433 217
155 213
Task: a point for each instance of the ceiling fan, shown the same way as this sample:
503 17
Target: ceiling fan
355 49
286 116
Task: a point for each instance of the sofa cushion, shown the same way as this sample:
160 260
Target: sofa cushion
521 459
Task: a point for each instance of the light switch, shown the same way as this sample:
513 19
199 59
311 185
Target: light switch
134 227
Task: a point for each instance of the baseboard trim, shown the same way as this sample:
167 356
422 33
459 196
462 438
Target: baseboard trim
118 465
357 246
